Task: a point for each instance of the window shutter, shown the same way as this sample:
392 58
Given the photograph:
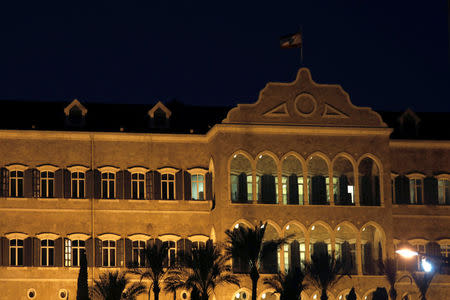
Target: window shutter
97 184
98 252
242 188
119 185
209 186
28 183
344 196
149 185
294 255
430 185
120 253
150 243
293 189
36 252
128 253
59 183
179 185
376 196
365 190
400 189
90 252
187 186
4 259
126 184
346 257
433 249
405 196
28 252
319 190
4 182
59 252
188 247
36 182
67 177
156 185
181 250
89 186
368 259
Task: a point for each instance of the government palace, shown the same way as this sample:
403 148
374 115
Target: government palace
111 178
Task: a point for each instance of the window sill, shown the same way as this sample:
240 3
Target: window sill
48 199
16 199
17 268
168 201
78 199
108 200
138 200
197 201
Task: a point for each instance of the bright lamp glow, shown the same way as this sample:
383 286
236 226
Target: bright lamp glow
263 296
426 265
407 253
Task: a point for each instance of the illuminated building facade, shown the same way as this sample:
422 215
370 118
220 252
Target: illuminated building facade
302 158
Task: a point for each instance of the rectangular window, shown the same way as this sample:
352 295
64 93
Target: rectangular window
47 184
197 245
171 252
250 187
234 180
108 185
16 184
47 253
168 186
300 190
445 250
78 184
138 253
419 249
415 191
67 253
109 253
284 188
138 186
16 252
72 252
198 187
444 191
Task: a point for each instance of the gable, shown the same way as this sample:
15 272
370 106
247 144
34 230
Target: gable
304 102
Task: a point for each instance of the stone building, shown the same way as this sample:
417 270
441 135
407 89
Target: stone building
111 178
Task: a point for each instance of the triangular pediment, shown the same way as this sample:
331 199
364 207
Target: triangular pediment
304 102
160 106
75 103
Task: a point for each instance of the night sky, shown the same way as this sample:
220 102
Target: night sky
389 55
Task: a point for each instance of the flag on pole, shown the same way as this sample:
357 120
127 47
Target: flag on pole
291 41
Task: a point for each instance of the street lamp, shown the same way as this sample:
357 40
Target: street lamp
408 252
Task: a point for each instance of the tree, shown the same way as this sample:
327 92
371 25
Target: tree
154 270
82 285
288 285
116 286
202 270
423 282
351 295
247 245
324 271
389 269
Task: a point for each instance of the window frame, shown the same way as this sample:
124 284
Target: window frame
47 237
198 172
47 169
413 199
77 169
170 238
445 191
172 172
108 180
18 237
16 168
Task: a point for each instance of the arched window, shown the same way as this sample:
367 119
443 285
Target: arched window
371 249
292 181
318 181
369 182
266 180
320 240
294 249
343 182
345 247
241 179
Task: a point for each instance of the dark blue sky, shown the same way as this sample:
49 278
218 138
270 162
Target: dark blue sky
389 55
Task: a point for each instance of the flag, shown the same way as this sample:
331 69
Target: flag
291 41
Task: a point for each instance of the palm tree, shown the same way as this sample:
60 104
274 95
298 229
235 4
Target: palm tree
288 285
155 267
116 286
248 246
389 269
324 271
202 270
423 282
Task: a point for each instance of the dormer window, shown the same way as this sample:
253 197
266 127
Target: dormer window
159 116
409 124
75 114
